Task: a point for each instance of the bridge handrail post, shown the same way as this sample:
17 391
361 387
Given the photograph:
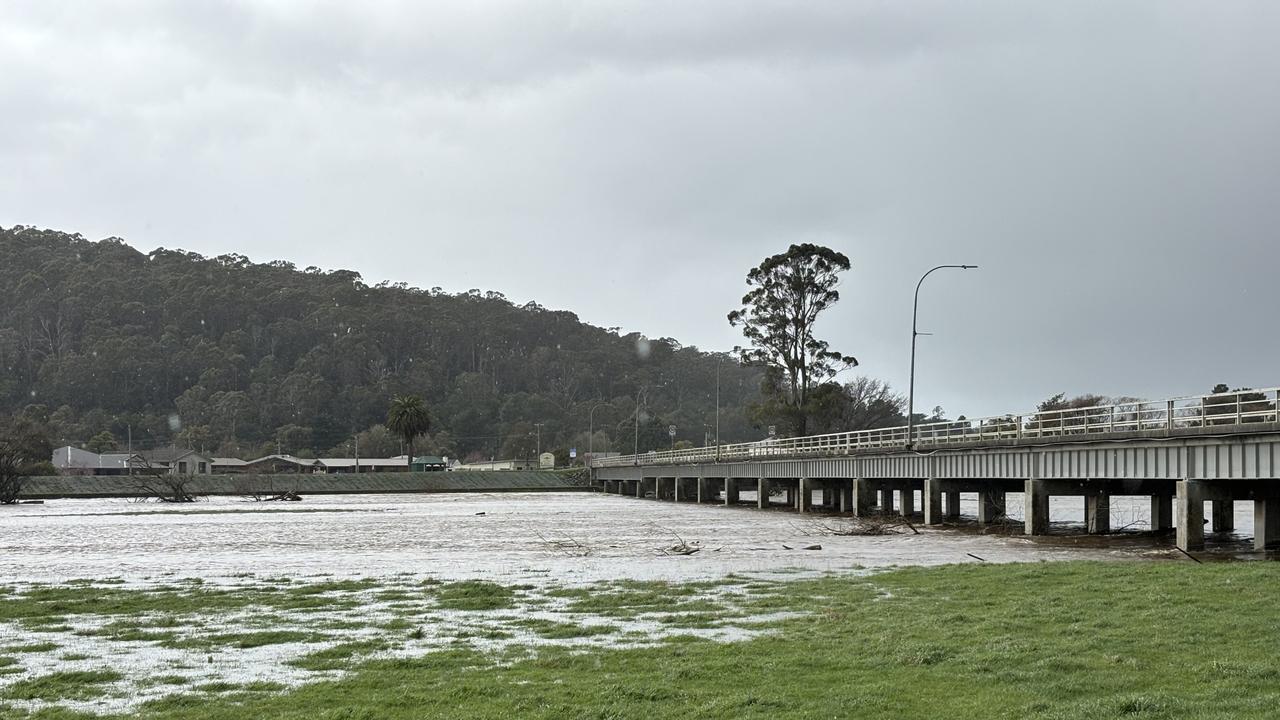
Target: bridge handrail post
1239 418
1169 415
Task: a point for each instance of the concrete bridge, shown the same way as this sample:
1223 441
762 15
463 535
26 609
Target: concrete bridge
1215 449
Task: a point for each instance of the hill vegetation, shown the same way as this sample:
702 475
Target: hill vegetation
100 341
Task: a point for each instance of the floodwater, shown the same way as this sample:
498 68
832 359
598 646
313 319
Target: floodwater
513 537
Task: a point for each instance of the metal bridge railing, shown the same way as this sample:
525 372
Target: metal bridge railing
1219 410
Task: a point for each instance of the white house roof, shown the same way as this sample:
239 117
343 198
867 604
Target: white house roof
69 457
229 462
364 462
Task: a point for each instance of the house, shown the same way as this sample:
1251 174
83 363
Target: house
429 463
275 464
495 465
226 465
364 465
70 460
174 461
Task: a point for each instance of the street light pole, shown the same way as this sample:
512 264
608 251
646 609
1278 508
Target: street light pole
718 364
911 390
591 428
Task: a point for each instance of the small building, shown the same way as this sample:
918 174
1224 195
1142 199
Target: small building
282 464
364 465
227 466
495 465
70 460
174 461
429 463
547 461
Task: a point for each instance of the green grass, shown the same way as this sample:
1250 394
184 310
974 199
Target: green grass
475 595
1078 640
339 656
1041 641
78 685
553 630
243 640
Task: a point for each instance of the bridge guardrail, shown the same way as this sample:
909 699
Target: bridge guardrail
1216 410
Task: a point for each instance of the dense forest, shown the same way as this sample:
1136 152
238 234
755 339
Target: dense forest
104 345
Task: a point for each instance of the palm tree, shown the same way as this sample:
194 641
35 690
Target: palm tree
408 418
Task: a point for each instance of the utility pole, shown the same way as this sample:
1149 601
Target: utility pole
718 364
357 441
538 426
911 390
591 429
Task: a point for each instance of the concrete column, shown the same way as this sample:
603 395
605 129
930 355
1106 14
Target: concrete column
953 504
1036 507
1266 523
704 493
762 493
886 500
791 497
1097 513
932 502
908 498
991 506
640 488
806 495
675 496
1223 514
730 491
846 496
1161 512
861 491
1190 514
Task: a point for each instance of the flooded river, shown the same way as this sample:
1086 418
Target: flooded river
511 537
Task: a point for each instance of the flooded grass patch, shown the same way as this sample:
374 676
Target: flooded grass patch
1090 640
475 595
71 685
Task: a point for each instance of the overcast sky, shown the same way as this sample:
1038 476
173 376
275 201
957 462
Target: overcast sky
1113 167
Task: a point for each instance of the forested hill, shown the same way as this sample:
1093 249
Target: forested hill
239 358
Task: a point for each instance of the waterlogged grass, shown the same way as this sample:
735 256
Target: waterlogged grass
74 685
1044 641
475 595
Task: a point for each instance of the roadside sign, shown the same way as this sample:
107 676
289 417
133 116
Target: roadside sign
671 430
773 431
573 452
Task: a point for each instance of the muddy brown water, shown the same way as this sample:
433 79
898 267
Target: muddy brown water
517 537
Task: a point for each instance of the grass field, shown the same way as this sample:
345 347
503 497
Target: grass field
1049 640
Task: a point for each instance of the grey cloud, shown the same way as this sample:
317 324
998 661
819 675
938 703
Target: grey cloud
1110 165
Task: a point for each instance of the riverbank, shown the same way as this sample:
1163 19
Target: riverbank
44 488
1044 640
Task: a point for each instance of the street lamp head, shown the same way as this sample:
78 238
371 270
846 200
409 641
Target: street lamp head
968 267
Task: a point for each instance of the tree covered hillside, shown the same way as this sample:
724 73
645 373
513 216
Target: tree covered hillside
241 358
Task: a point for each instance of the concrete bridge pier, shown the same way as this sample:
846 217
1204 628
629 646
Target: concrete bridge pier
1161 512
1036 507
704 490
1097 512
1222 514
762 494
861 497
886 500
907 497
1191 515
953 504
731 491
991 505
1266 522
846 497
932 501
806 495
